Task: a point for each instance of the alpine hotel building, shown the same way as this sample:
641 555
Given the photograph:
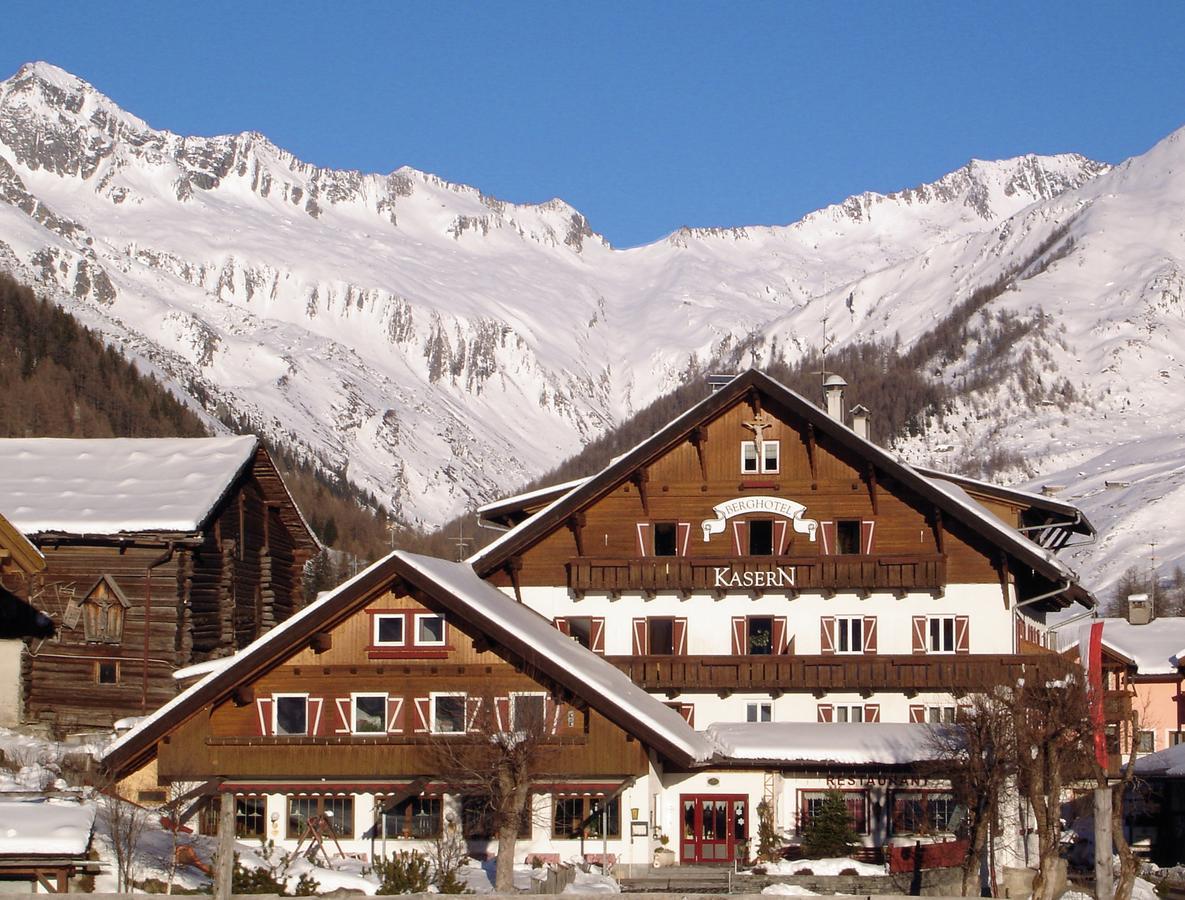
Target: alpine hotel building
755 603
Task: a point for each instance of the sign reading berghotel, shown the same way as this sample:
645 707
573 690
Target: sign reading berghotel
776 506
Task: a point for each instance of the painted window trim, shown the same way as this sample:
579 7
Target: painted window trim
417 618
836 641
954 635
276 698
354 695
757 706
759 458
433 696
374 629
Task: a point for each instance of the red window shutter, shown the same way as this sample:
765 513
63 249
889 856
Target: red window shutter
472 711
687 711
682 538
827 532
645 544
395 714
502 713
423 717
680 637
314 714
867 528
343 715
872 712
962 634
919 634
827 635
779 537
263 707
562 626
640 642
739 638
740 538
551 715
870 634
779 635
917 713
826 712
596 629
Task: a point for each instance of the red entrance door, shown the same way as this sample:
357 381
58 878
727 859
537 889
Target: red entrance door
713 824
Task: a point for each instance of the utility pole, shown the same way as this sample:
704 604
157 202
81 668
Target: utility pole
460 540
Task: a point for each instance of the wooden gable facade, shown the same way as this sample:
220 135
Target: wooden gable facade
133 606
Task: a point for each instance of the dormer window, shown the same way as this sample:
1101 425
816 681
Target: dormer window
763 460
103 610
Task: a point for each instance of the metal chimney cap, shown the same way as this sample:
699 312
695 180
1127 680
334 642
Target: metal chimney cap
834 381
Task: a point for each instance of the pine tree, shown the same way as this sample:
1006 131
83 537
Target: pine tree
829 832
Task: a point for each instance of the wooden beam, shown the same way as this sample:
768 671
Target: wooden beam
576 525
811 451
939 531
1002 571
699 437
244 695
640 478
321 642
753 398
513 566
871 478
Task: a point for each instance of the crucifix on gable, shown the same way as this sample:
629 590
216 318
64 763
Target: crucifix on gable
757 425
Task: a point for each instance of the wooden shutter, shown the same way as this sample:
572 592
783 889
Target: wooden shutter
740 538
779 635
917 713
962 634
502 713
682 538
596 634
645 542
423 715
827 531
867 527
314 714
687 711
740 643
562 626
395 714
872 712
870 634
343 715
679 637
919 634
779 537
827 635
640 642
472 711
263 707
826 712
551 715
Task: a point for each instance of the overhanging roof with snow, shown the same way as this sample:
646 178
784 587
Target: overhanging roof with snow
946 496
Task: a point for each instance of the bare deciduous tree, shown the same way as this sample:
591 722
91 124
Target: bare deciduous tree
125 822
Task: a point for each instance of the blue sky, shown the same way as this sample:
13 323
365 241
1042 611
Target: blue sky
644 116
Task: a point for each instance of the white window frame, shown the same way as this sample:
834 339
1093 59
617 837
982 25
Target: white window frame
418 618
945 714
1151 739
843 712
1176 737
954 633
755 708
402 617
843 634
436 695
514 703
276 698
762 464
354 696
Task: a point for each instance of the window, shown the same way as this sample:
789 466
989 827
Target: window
323 813
940 634
849 634
661 637
761 635
1176 737
666 539
527 712
290 714
767 462
448 713
388 630
845 712
580 630
761 711
429 630
250 817
810 802
107 672
916 812
938 715
847 537
415 817
761 537
370 714
477 818
570 812
1146 742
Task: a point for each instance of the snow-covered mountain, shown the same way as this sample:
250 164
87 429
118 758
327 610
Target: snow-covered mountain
440 346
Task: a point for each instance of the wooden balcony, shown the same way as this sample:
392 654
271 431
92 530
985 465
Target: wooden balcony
685 574
910 674
1117 705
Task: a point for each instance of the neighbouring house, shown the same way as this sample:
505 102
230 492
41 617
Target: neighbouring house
159 553
20 562
44 843
752 607
1158 797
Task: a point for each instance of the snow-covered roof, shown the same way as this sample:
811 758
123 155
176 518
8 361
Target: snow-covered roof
114 485
529 497
1167 763
849 743
203 668
45 828
1157 648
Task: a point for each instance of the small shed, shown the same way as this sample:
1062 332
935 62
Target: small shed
45 843
1162 776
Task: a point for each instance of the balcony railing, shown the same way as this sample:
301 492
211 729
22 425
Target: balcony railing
685 574
726 674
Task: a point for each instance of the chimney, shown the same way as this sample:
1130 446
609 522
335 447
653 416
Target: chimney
833 387
860 416
1139 609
